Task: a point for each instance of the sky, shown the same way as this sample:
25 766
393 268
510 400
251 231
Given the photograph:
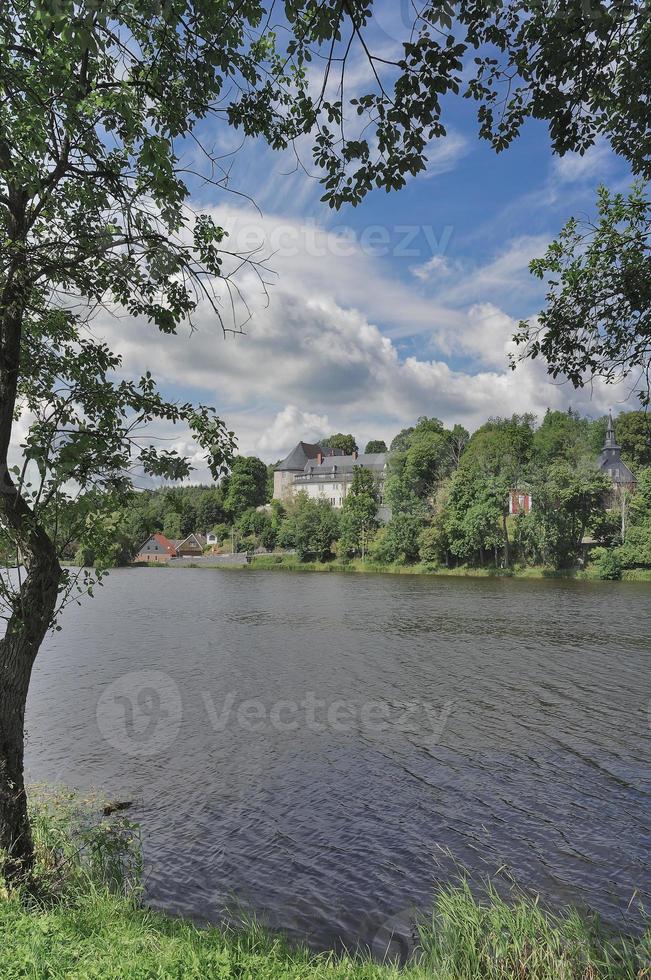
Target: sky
376 315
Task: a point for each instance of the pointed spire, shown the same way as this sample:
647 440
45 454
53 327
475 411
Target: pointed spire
611 441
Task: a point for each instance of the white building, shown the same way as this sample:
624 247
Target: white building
324 473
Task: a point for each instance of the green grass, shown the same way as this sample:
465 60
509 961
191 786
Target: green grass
292 563
83 920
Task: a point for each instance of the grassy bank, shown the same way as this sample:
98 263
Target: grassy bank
292 563
85 920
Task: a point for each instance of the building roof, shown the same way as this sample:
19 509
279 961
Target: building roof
160 539
610 459
199 540
346 464
300 454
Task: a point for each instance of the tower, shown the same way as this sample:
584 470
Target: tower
611 463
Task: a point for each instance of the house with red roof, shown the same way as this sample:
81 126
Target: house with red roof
157 548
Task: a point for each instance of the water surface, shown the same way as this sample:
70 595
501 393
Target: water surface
398 727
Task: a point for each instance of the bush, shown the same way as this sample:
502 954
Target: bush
607 564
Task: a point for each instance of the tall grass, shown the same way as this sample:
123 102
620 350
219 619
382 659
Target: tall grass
496 940
85 921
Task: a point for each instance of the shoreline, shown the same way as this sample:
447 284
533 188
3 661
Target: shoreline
93 922
288 563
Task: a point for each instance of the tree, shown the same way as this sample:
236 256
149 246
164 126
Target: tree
210 509
635 551
172 525
376 446
457 440
597 319
97 100
398 542
495 461
246 485
634 436
400 442
311 527
568 500
359 512
420 458
344 441
474 519
564 436
427 459
259 526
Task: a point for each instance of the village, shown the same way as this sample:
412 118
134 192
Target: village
320 473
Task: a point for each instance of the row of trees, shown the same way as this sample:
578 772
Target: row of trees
449 498
447 491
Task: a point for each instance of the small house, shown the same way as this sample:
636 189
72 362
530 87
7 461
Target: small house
157 548
192 546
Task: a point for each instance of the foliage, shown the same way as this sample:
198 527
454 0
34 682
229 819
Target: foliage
311 527
634 436
245 486
597 319
172 525
568 436
343 441
568 500
399 540
420 458
376 446
607 564
258 526
359 513
635 550
400 442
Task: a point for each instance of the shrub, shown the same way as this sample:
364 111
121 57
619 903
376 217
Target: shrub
607 564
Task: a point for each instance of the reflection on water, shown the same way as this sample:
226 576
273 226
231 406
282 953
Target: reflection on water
325 749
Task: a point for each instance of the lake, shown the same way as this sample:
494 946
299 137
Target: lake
326 750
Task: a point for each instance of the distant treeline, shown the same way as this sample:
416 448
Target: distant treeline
448 493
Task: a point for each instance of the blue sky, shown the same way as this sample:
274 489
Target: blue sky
402 307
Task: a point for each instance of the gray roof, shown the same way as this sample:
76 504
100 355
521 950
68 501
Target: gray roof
346 464
300 454
610 459
611 463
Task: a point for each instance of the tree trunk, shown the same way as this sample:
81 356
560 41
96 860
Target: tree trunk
507 547
33 603
32 615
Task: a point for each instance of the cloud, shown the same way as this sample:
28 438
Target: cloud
277 438
444 153
487 339
574 167
435 268
342 345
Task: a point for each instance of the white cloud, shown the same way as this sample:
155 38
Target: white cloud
435 268
500 277
444 153
318 357
593 164
278 438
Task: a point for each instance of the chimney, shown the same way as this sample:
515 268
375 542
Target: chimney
319 458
